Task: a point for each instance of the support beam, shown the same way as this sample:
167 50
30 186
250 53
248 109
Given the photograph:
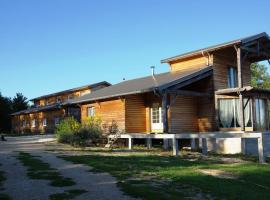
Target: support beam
165 112
239 67
260 150
241 112
149 143
175 147
193 144
204 146
130 143
243 146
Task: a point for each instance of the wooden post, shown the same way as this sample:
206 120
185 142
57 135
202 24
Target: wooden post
254 114
241 110
216 113
239 67
130 143
260 149
149 143
204 146
165 112
175 147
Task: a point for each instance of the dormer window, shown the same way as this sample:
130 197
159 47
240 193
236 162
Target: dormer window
232 77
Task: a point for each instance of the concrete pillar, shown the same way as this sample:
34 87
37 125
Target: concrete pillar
243 146
260 150
130 143
175 147
204 146
165 144
149 143
193 144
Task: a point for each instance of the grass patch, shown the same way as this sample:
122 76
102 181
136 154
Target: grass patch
37 169
68 194
166 177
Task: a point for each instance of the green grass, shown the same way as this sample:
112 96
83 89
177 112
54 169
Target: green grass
165 177
68 194
37 169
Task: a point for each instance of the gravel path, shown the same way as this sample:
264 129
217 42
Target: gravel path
19 186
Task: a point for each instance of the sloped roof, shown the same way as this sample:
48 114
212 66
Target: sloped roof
73 90
217 47
141 85
38 109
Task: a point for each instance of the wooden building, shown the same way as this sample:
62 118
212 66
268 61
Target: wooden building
48 110
204 91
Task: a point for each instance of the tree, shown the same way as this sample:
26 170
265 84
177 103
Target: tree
5 111
260 78
19 102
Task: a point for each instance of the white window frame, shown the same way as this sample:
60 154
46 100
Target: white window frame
44 122
92 111
33 123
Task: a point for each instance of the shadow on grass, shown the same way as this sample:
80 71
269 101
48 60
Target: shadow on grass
165 177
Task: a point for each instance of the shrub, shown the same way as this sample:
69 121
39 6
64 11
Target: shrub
66 129
72 132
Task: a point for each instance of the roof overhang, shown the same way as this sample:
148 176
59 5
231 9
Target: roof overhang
245 91
263 37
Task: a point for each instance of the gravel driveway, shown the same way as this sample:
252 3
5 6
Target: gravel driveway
19 186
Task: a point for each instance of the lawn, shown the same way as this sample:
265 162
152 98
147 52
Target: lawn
3 196
166 177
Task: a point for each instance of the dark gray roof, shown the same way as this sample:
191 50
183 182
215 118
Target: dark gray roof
73 90
38 109
141 85
217 47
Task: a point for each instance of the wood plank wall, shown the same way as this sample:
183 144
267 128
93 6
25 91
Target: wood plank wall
183 115
136 114
108 111
191 63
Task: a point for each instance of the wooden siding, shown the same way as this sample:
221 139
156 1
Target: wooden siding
17 122
183 115
108 111
191 63
222 61
136 114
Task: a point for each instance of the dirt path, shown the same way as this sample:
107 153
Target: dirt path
19 186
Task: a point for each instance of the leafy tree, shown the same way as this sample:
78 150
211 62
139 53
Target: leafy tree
5 111
19 102
260 78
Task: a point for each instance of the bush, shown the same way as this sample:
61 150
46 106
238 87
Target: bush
76 134
66 129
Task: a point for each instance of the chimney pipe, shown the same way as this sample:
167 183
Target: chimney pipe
153 70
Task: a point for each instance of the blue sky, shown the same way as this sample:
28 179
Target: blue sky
52 45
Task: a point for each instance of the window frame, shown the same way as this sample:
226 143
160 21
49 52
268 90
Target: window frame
92 112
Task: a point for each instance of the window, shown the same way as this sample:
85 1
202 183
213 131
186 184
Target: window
46 102
44 122
156 115
91 111
56 121
229 114
58 100
24 124
232 77
70 97
82 93
33 124
260 113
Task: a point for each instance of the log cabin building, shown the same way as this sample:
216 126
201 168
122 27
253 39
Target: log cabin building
207 90
48 110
